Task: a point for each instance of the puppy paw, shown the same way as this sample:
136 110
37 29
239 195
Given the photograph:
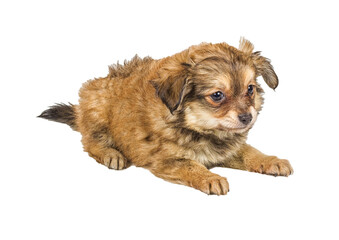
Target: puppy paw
113 159
274 166
213 185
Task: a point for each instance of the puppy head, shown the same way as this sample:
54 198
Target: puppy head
214 87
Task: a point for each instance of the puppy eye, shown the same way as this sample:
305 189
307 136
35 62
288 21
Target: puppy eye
217 96
250 90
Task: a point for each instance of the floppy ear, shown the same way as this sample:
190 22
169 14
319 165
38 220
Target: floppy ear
262 64
171 88
265 69
171 85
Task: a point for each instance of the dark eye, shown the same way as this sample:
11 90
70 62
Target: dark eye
217 96
250 90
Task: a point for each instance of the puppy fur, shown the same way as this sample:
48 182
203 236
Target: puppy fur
178 116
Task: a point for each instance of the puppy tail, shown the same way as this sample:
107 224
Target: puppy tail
61 113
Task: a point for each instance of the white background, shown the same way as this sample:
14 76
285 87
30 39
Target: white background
51 189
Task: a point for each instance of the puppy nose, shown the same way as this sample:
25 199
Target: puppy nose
245 118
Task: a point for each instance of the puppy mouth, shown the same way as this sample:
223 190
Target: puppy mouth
234 128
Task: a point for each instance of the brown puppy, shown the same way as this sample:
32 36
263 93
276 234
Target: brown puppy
177 116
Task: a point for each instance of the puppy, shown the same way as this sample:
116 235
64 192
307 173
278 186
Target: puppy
178 116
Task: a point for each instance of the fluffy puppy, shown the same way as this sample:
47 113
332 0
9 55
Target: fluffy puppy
178 116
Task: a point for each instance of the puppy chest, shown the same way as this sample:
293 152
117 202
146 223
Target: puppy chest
209 154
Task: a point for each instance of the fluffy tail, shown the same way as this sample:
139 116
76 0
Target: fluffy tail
61 113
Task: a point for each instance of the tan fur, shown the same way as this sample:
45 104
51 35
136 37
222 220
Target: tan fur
159 114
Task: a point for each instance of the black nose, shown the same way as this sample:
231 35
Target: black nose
245 118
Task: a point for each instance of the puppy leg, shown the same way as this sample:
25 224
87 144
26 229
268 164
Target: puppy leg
192 174
111 158
105 154
251 159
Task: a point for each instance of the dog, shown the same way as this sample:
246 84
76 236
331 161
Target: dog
178 116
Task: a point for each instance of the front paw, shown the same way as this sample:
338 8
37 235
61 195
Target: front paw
273 166
214 184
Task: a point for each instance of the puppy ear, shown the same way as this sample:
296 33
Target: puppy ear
265 69
262 64
172 82
245 46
